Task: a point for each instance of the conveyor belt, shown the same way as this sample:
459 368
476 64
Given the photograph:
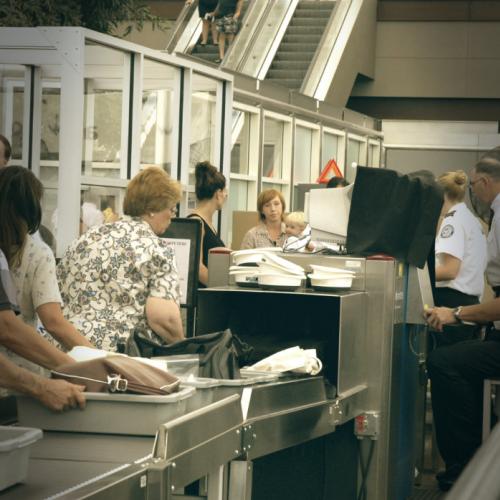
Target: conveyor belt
62 461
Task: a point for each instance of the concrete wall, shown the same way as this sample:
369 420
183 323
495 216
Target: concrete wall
435 60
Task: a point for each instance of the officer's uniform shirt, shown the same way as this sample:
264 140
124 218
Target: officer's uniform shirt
493 267
461 236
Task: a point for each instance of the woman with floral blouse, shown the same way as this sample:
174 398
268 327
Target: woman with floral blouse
121 277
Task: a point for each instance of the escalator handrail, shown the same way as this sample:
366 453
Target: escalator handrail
312 79
182 21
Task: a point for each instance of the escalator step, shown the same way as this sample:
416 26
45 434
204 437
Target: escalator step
313 38
302 65
298 47
289 83
285 73
285 55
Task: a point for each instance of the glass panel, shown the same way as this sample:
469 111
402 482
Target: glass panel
106 74
100 205
157 115
49 147
373 155
11 108
271 185
202 122
240 153
48 228
303 155
353 150
273 148
237 200
329 149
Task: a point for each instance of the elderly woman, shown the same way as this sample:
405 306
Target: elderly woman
31 262
271 231
122 277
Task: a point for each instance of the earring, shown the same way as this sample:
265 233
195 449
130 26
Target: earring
151 214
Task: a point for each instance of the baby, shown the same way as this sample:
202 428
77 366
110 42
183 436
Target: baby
299 233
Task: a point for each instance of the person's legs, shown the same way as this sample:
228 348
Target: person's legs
222 43
215 33
457 374
205 26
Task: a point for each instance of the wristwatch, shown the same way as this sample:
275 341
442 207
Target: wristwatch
456 314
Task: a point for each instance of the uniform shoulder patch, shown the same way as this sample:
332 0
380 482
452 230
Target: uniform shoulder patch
447 231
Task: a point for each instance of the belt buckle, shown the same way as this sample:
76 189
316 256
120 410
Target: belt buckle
117 384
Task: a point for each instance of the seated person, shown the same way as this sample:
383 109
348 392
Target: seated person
23 340
31 262
299 233
336 182
122 277
270 232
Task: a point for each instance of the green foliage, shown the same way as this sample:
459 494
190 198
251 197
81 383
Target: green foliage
98 15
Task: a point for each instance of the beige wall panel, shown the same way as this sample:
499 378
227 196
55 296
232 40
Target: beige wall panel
484 40
416 78
483 78
432 40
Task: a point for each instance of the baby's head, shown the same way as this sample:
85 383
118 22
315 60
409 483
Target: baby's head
295 223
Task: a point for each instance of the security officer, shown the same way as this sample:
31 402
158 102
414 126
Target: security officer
457 372
460 257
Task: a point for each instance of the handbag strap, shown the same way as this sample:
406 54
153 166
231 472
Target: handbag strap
115 382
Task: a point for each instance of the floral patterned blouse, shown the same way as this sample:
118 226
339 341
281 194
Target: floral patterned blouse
35 279
107 275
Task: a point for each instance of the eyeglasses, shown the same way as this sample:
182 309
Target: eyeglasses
471 183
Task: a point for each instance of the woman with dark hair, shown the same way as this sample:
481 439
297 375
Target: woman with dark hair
211 194
271 231
31 262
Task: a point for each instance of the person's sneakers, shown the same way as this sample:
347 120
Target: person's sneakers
446 478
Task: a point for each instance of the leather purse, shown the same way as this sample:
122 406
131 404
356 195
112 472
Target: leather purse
118 374
221 353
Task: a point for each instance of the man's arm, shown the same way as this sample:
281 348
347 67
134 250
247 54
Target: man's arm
56 395
23 339
478 313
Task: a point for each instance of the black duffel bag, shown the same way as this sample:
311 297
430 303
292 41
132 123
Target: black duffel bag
221 354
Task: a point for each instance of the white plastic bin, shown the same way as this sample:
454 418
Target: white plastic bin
15 450
108 413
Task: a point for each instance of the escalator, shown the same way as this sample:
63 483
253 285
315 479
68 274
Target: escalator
297 49
315 47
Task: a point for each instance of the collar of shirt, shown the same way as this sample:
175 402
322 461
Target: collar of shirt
495 205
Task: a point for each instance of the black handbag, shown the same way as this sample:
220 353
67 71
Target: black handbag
221 354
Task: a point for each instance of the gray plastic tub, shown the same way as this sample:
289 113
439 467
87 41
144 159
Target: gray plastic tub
15 447
129 414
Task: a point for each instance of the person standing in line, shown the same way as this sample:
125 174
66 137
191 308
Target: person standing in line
458 371
23 340
211 194
226 14
460 257
271 231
